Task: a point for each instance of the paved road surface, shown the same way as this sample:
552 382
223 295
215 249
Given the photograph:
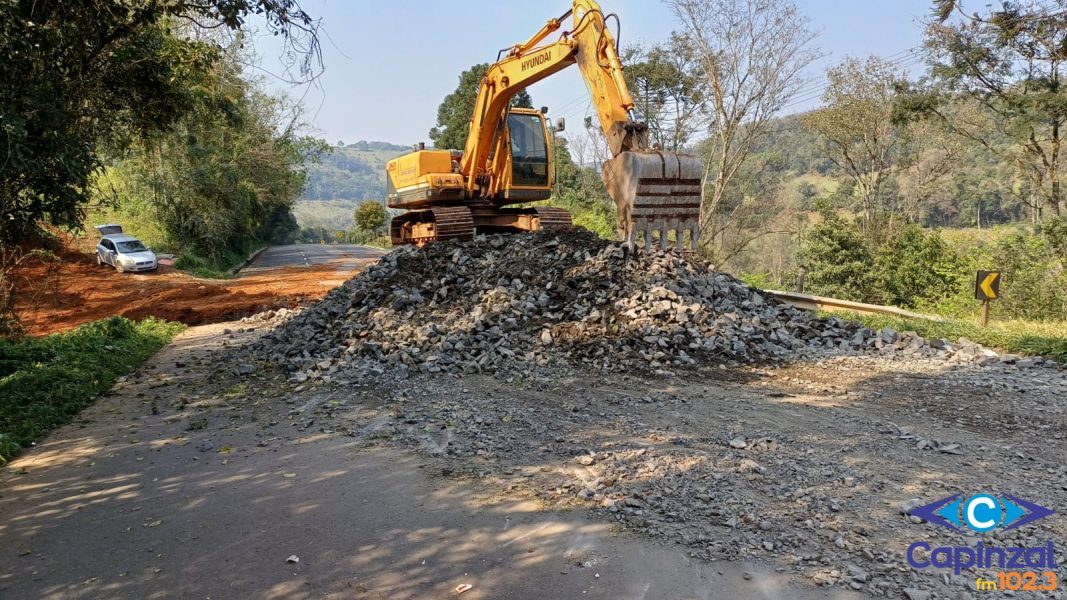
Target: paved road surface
345 256
172 487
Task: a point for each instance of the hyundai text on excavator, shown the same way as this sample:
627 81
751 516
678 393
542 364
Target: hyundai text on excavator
508 159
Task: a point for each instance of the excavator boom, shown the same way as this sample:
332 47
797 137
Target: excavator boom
507 158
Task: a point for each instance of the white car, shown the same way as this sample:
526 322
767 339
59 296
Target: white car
124 252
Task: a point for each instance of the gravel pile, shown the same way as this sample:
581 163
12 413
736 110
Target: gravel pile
552 298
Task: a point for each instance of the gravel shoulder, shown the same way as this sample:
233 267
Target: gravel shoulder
193 479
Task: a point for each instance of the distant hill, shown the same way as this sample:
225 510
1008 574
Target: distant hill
352 172
344 177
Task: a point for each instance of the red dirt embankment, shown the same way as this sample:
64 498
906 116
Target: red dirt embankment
85 292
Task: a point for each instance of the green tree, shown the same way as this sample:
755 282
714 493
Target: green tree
1055 231
917 269
226 175
856 126
1034 275
836 259
580 191
454 114
81 76
370 216
998 76
566 172
666 85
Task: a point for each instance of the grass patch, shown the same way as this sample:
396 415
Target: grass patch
239 389
218 267
382 241
1035 338
45 381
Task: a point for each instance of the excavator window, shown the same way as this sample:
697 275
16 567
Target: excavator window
529 150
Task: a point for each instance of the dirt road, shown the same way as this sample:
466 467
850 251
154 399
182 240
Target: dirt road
192 481
82 291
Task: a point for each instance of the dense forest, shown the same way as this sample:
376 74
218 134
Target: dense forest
223 180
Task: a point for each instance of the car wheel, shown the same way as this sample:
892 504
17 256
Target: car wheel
118 267
99 261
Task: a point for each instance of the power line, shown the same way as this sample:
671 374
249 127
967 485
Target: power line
905 60
813 90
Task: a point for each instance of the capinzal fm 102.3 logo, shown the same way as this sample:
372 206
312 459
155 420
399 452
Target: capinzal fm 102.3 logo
1023 568
981 513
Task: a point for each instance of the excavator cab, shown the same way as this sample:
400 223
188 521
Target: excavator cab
427 177
529 177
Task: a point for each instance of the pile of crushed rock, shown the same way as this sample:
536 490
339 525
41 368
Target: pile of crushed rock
556 298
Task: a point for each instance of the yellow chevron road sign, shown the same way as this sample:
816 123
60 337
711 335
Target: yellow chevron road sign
987 285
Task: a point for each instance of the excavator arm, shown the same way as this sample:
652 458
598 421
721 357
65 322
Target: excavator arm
653 190
592 47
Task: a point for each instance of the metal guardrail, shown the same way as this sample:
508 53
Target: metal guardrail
808 302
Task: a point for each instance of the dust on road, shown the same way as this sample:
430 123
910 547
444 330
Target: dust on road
191 481
756 482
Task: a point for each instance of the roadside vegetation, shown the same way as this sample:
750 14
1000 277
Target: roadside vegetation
895 191
219 266
221 183
44 382
141 113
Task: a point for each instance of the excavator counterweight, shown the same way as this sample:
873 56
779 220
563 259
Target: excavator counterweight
508 158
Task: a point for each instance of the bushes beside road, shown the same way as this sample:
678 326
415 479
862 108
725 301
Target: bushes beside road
934 271
45 381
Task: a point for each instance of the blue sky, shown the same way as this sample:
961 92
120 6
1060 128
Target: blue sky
389 64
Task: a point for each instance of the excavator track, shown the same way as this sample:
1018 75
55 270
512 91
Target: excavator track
421 227
553 218
453 223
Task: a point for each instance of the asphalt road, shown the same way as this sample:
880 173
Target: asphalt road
187 482
344 256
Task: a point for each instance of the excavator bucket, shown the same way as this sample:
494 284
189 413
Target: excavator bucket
655 191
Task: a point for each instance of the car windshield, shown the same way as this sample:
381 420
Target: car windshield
131 246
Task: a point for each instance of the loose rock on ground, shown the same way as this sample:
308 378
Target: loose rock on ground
561 298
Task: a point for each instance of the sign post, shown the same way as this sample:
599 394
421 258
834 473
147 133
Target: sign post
986 288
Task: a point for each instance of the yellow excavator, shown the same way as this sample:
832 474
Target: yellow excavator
508 159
